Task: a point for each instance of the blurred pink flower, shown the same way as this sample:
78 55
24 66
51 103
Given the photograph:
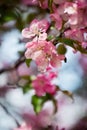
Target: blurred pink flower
36 30
43 53
77 34
43 84
74 34
24 127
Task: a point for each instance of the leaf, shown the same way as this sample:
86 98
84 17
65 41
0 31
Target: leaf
72 43
66 41
28 61
37 103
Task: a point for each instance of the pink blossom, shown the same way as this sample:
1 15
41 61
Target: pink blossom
43 84
24 127
37 30
77 34
43 53
74 34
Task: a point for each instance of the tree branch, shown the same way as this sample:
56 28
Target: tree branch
15 66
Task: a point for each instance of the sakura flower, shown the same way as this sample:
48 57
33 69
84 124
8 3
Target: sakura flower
42 85
24 127
36 30
43 52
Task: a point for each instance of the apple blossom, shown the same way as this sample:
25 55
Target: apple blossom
43 53
74 34
37 30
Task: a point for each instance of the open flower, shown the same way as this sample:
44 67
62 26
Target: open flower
43 53
37 30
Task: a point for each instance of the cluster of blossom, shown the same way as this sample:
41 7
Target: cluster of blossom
70 19
43 83
40 50
73 14
44 54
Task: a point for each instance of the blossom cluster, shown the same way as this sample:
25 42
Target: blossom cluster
66 24
43 83
69 18
40 50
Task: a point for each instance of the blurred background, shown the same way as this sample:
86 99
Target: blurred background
15 106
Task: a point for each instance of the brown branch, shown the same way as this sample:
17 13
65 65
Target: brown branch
15 66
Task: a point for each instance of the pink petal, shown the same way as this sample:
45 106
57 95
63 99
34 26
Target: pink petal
55 61
27 34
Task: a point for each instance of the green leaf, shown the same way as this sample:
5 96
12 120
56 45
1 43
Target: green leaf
28 61
66 41
72 43
37 103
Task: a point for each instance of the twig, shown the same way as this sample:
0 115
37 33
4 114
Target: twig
17 63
